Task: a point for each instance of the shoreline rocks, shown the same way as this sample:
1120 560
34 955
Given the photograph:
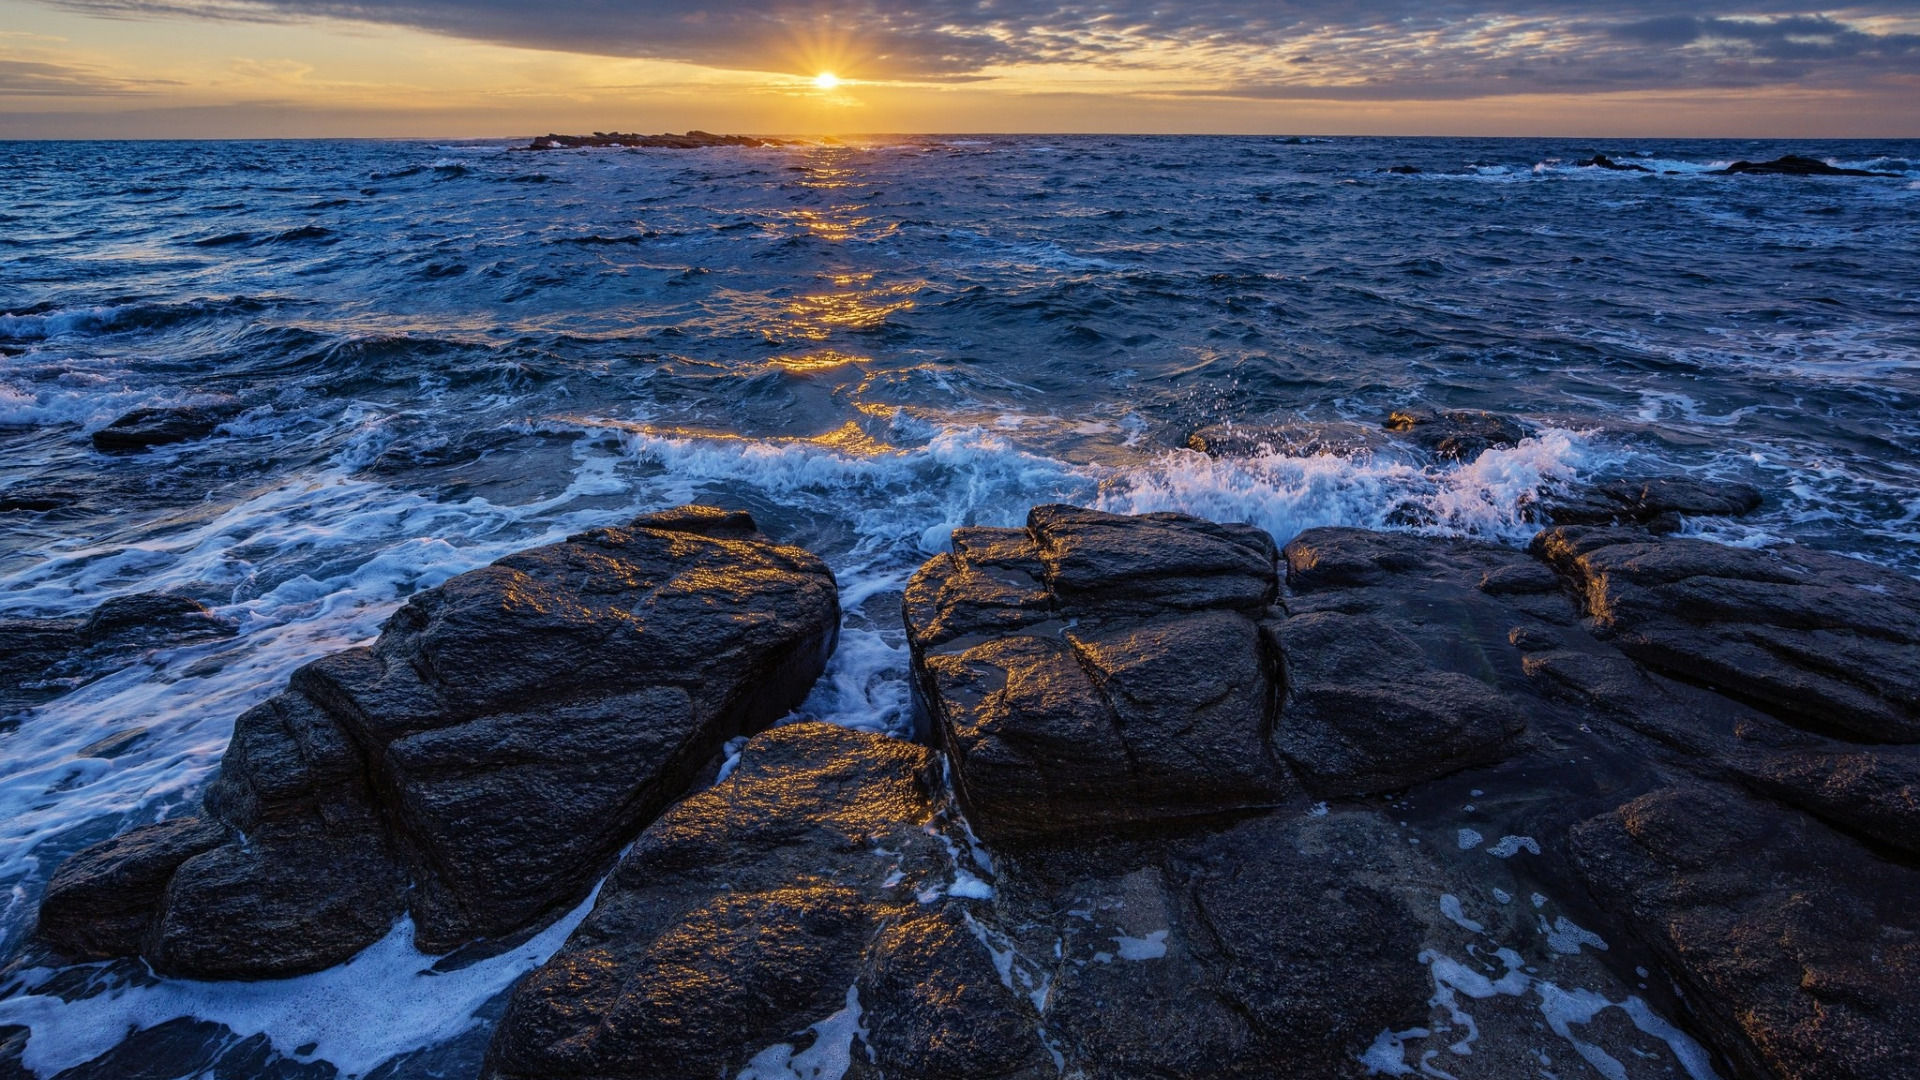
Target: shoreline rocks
1359 805
506 734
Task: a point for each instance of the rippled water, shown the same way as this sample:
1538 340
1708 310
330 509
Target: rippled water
443 353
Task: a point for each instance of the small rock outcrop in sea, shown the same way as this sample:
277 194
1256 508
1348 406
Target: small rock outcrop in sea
1602 161
43 658
161 426
1792 165
1660 503
478 766
1461 434
1292 440
692 140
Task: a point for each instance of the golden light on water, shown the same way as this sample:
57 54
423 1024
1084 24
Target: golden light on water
826 80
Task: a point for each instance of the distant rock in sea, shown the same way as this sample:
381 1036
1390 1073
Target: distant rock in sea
692 140
1602 161
1792 165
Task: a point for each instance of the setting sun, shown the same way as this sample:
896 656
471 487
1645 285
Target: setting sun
826 80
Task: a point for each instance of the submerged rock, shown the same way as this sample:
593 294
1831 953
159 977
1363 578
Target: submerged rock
1293 440
1792 165
42 658
506 734
161 426
1460 434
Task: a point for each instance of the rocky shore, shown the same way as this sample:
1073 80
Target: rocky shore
1189 800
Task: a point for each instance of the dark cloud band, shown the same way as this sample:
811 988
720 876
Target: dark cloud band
1293 48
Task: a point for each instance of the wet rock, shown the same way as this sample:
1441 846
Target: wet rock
1176 966
100 902
1792 165
493 749
1366 712
31 498
1830 642
1656 502
1459 434
147 619
1098 670
1602 161
162 426
44 658
1404 170
747 913
1798 951
1292 440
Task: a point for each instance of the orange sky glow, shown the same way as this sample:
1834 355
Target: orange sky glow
282 68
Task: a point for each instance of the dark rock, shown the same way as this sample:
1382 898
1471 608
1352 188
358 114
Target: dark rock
143 428
147 619
1098 670
506 734
692 140
1177 966
1460 434
1404 170
1292 440
33 498
1792 165
1602 161
43 658
1799 954
100 902
745 914
1831 642
1646 501
1366 712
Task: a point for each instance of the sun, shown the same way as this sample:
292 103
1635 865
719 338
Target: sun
826 80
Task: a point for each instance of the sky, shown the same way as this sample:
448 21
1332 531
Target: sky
494 68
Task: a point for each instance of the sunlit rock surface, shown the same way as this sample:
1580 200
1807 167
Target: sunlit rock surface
478 765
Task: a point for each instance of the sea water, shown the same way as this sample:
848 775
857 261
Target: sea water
436 354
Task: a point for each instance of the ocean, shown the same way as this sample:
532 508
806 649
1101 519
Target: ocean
428 355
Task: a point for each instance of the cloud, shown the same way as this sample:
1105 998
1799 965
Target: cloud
1257 48
48 78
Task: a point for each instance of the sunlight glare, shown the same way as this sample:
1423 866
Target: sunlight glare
826 80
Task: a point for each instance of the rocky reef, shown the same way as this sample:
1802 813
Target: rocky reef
692 140
1186 803
478 766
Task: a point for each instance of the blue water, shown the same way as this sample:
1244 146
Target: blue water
440 353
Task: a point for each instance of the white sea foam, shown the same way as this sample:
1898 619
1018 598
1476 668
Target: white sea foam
415 1005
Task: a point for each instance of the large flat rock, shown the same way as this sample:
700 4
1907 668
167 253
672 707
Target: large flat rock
1831 642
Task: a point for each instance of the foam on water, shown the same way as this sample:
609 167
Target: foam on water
388 1000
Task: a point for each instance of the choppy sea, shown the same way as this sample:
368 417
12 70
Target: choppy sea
439 353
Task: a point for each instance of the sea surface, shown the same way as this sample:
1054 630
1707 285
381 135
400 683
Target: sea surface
440 353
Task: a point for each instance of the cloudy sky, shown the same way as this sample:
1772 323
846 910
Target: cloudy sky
507 67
